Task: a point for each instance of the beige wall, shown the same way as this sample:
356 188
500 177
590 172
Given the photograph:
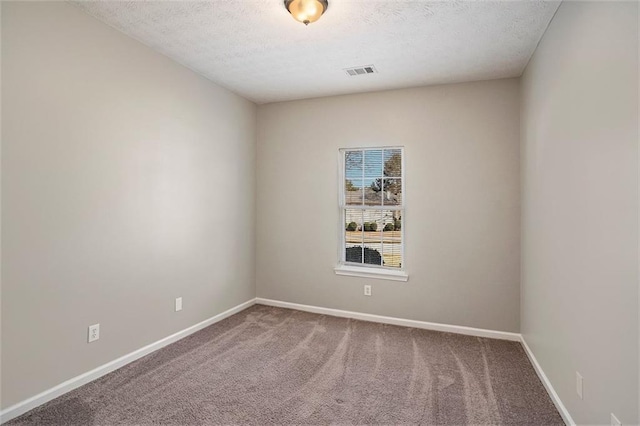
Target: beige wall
462 201
580 208
0 207
127 181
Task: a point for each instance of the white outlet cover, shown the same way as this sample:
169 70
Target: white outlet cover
367 290
615 421
579 384
94 333
178 304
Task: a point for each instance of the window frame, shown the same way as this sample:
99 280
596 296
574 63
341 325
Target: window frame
360 269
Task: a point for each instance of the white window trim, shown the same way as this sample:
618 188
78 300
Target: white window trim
369 271
350 270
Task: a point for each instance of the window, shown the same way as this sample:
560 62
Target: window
372 210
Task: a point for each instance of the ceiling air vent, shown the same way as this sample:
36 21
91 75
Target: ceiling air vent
363 70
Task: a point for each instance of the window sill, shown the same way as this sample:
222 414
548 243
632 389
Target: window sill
377 273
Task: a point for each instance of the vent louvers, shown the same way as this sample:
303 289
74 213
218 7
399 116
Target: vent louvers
365 69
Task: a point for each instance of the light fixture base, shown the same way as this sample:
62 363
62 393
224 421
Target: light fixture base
306 11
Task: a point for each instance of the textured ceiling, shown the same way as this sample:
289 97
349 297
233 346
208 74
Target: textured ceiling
256 49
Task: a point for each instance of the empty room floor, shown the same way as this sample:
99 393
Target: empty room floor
269 365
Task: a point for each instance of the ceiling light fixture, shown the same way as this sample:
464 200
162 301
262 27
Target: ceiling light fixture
306 11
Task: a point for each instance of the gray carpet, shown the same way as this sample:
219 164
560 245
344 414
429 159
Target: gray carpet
269 365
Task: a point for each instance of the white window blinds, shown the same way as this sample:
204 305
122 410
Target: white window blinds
372 207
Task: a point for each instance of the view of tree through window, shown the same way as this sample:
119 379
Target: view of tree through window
372 207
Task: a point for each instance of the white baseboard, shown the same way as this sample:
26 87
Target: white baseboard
458 329
547 384
46 396
31 403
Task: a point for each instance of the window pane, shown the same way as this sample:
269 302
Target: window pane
353 192
392 238
372 165
392 163
373 193
392 192
392 254
372 254
353 164
372 237
353 253
353 235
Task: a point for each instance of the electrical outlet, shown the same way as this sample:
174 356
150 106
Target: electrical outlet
615 421
94 332
579 384
367 290
178 304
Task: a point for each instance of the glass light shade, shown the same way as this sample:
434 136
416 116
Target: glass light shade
306 11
